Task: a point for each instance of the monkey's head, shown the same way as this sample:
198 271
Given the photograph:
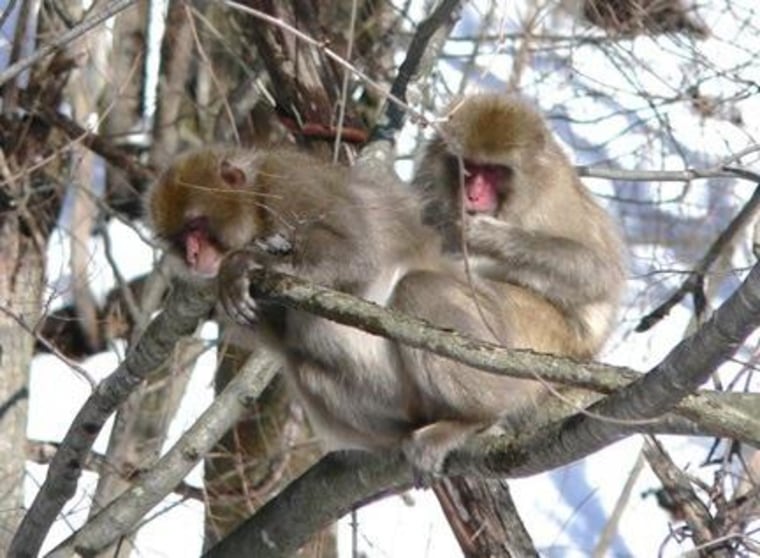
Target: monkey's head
204 206
491 143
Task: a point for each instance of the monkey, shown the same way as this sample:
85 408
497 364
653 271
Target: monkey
221 212
529 223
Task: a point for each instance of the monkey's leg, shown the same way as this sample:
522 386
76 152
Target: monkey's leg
454 399
460 400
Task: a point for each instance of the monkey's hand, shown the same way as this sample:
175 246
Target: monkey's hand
488 235
235 286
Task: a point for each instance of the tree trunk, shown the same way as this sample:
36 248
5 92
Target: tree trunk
21 274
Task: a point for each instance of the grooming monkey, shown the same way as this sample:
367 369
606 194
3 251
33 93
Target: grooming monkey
222 212
529 223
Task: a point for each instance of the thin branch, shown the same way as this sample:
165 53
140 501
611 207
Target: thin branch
607 537
42 453
696 278
725 169
439 22
187 304
111 10
694 511
640 175
48 345
332 55
117 518
97 143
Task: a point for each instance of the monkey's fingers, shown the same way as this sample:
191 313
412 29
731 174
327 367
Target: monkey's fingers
241 307
235 287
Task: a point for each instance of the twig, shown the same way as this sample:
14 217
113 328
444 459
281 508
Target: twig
186 306
111 10
695 280
49 346
42 453
97 143
394 112
332 55
119 516
344 85
693 510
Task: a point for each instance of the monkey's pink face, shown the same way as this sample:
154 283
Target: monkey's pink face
484 187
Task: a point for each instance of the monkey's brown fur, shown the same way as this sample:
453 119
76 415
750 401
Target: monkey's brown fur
543 237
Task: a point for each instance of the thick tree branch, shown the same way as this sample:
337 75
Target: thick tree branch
354 479
678 375
713 413
187 304
730 414
330 489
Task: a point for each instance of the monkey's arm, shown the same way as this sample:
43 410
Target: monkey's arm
309 253
564 271
233 283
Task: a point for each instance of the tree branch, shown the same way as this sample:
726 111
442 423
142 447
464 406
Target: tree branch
124 512
730 414
687 366
108 12
336 484
696 277
716 413
187 304
438 23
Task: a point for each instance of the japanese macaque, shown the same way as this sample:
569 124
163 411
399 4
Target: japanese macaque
496 173
222 212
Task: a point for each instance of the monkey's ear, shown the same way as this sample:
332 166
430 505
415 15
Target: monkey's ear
232 175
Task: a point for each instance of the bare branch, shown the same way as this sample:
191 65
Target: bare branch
685 500
42 453
696 278
118 517
439 23
187 304
111 10
97 143
354 478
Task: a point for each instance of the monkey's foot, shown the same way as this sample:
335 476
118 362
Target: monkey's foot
428 447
